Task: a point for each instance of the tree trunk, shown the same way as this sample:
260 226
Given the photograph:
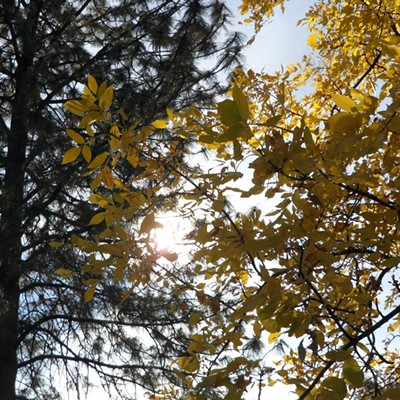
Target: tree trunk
10 265
8 335
11 228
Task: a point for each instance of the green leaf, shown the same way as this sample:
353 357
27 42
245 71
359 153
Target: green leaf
332 388
229 112
241 102
338 355
352 373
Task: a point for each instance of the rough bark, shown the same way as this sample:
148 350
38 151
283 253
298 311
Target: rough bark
12 216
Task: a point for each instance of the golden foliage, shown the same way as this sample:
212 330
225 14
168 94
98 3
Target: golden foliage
318 264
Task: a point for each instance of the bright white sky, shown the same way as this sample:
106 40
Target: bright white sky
281 42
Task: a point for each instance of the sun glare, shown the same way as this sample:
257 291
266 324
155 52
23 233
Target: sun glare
171 234
165 237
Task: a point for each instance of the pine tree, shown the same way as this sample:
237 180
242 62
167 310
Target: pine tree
157 54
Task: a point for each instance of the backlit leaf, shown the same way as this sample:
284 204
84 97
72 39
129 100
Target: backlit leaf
75 136
229 112
76 107
89 294
313 41
71 155
344 102
352 373
92 84
189 364
106 98
107 177
98 160
344 122
160 124
241 102
98 218
65 273
87 153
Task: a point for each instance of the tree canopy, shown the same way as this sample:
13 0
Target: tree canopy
317 265
154 52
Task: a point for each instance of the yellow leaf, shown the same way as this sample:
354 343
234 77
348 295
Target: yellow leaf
65 273
89 294
196 347
71 155
88 95
98 218
96 182
241 102
107 177
98 160
243 276
75 136
257 328
344 122
87 153
168 255
390 394
76 107
115 131
344 102
170 114
123 115
189 364
160 124
229 112
106 98
352 373
312 41
91 282
102 88
149 223
273 337
194 319
92 84
55 245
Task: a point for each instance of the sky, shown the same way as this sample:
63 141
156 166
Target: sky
280 42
